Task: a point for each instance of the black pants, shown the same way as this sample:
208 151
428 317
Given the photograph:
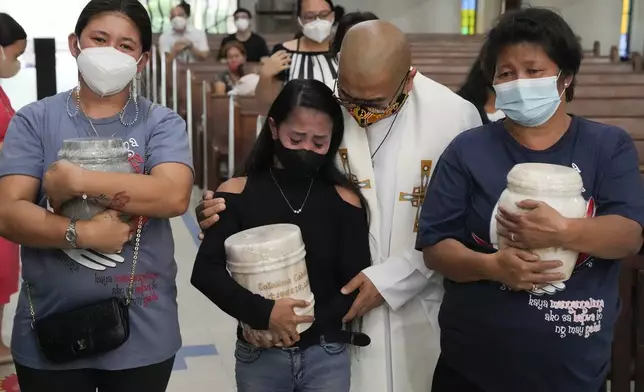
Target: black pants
446 379
153 378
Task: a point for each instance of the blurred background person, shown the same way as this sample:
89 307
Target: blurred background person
183 41
306 57
348 21
13 41
235 55
254 44
479 91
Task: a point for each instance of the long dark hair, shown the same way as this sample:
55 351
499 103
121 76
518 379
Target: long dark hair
133 9
311 94
476 89
540 26
344 24
299 6
186 8
10 30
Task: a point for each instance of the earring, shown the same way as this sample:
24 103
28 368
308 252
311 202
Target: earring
133 91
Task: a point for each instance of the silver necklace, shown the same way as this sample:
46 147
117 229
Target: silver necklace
121 112
296 212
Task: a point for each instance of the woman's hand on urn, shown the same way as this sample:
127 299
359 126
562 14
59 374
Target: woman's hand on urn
521 270
61 182
284 320
540 226
257 338
105 233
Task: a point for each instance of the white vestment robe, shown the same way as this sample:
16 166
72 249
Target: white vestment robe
404 333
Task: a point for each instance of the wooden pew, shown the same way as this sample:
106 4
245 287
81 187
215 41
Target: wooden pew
216 139
603 92
592 79
246 110
463 69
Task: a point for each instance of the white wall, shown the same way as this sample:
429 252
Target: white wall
416 16
488 11
592 20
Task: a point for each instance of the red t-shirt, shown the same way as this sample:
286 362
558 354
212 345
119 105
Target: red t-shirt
6 112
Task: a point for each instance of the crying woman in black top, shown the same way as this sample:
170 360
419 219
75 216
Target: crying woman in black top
291 177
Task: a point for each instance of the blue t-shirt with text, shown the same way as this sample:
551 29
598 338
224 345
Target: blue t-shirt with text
61 280
508 341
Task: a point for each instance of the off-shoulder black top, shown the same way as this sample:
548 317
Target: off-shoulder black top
335 235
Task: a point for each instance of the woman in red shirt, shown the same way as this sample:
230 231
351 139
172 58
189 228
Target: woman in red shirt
13 41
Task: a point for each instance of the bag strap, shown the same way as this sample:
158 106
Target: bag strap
130 288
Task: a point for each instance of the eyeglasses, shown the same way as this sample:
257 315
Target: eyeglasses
311 16
380 109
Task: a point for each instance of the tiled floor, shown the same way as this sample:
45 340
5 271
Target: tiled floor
205 363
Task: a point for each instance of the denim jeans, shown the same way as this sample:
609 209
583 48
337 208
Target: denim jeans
320 368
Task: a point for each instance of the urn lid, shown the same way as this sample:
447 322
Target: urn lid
545 179
92 148
269 243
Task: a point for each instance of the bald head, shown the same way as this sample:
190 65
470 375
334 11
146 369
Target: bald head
374 59
375 48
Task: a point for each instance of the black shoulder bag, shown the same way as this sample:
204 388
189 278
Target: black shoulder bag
89 330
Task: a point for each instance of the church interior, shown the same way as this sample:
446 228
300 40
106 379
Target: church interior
445 37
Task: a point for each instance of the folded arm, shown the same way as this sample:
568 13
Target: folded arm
22 221
211 278
442 220
611 237
616 232
165 192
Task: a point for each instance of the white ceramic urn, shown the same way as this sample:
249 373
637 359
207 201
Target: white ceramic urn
270 261
558 186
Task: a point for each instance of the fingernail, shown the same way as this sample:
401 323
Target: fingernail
344 291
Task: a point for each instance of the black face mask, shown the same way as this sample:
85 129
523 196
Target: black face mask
303 162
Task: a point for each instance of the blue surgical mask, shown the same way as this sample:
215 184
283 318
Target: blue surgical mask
529 102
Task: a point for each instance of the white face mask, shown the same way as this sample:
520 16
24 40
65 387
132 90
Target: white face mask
106 70
8 68
318 30
242 24
179 23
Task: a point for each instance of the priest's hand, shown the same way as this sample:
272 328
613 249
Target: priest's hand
208 210
521 270
284 320
368 298
62 182
540 226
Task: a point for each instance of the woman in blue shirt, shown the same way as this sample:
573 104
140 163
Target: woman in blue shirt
69 266
497 334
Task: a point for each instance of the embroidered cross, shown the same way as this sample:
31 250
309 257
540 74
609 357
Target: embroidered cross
417 195
344 158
